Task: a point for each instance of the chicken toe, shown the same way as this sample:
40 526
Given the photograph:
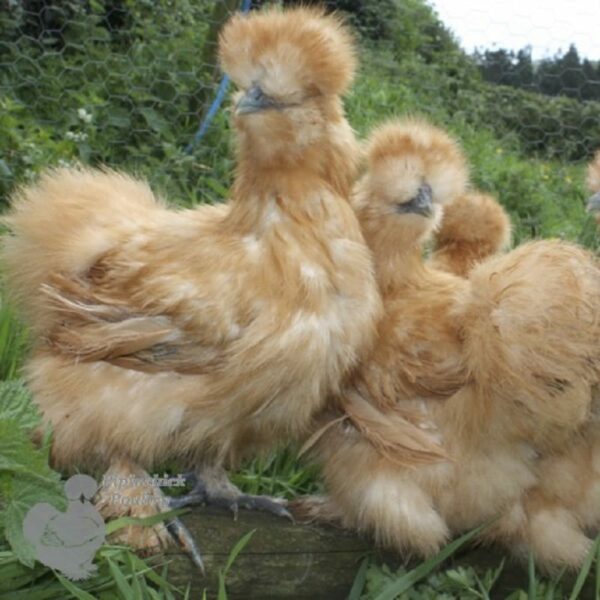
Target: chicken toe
213 488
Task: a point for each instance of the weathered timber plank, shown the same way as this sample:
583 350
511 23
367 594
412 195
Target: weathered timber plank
286 561
282 560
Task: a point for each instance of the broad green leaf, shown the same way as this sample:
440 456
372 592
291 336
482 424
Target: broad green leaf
24 493
16 405
118 117
155 121
18 455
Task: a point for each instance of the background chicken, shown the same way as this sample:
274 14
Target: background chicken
530 330
205 334
473 227
593 184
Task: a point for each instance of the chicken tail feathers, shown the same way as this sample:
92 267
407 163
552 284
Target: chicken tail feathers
63 224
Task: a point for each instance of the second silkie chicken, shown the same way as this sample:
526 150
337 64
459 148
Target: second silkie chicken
497 369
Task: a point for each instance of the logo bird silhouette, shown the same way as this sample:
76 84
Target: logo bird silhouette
68 541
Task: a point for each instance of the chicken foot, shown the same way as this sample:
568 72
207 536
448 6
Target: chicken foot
127 491
213 488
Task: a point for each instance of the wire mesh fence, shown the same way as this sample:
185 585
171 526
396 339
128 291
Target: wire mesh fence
127 82
120 83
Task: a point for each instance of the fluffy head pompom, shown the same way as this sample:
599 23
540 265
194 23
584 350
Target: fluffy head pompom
291 54
403 155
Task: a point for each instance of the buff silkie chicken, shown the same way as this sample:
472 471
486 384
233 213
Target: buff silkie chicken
211 334
528 349
473 227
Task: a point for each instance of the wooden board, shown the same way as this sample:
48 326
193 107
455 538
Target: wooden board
286 561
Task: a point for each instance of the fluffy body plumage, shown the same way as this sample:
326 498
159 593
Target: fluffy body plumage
527 346
212 333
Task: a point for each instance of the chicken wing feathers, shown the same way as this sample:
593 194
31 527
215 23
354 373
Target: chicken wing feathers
91 328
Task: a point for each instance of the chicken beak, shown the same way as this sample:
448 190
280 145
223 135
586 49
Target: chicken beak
593 204
421 204
254 100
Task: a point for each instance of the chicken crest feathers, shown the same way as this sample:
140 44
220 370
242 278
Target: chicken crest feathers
299 51
474 227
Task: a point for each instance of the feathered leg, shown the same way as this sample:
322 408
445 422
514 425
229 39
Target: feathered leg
126 490
370 493
565 506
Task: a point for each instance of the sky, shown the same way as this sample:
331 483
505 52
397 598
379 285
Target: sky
546 25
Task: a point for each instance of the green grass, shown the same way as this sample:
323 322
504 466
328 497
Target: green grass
13 342
428 582
121 575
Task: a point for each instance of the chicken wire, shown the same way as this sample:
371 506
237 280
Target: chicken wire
127 83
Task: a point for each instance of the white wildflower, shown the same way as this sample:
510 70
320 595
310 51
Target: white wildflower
84 115
76 136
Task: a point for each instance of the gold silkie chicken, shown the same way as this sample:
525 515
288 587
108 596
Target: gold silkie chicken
207 335
516 383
